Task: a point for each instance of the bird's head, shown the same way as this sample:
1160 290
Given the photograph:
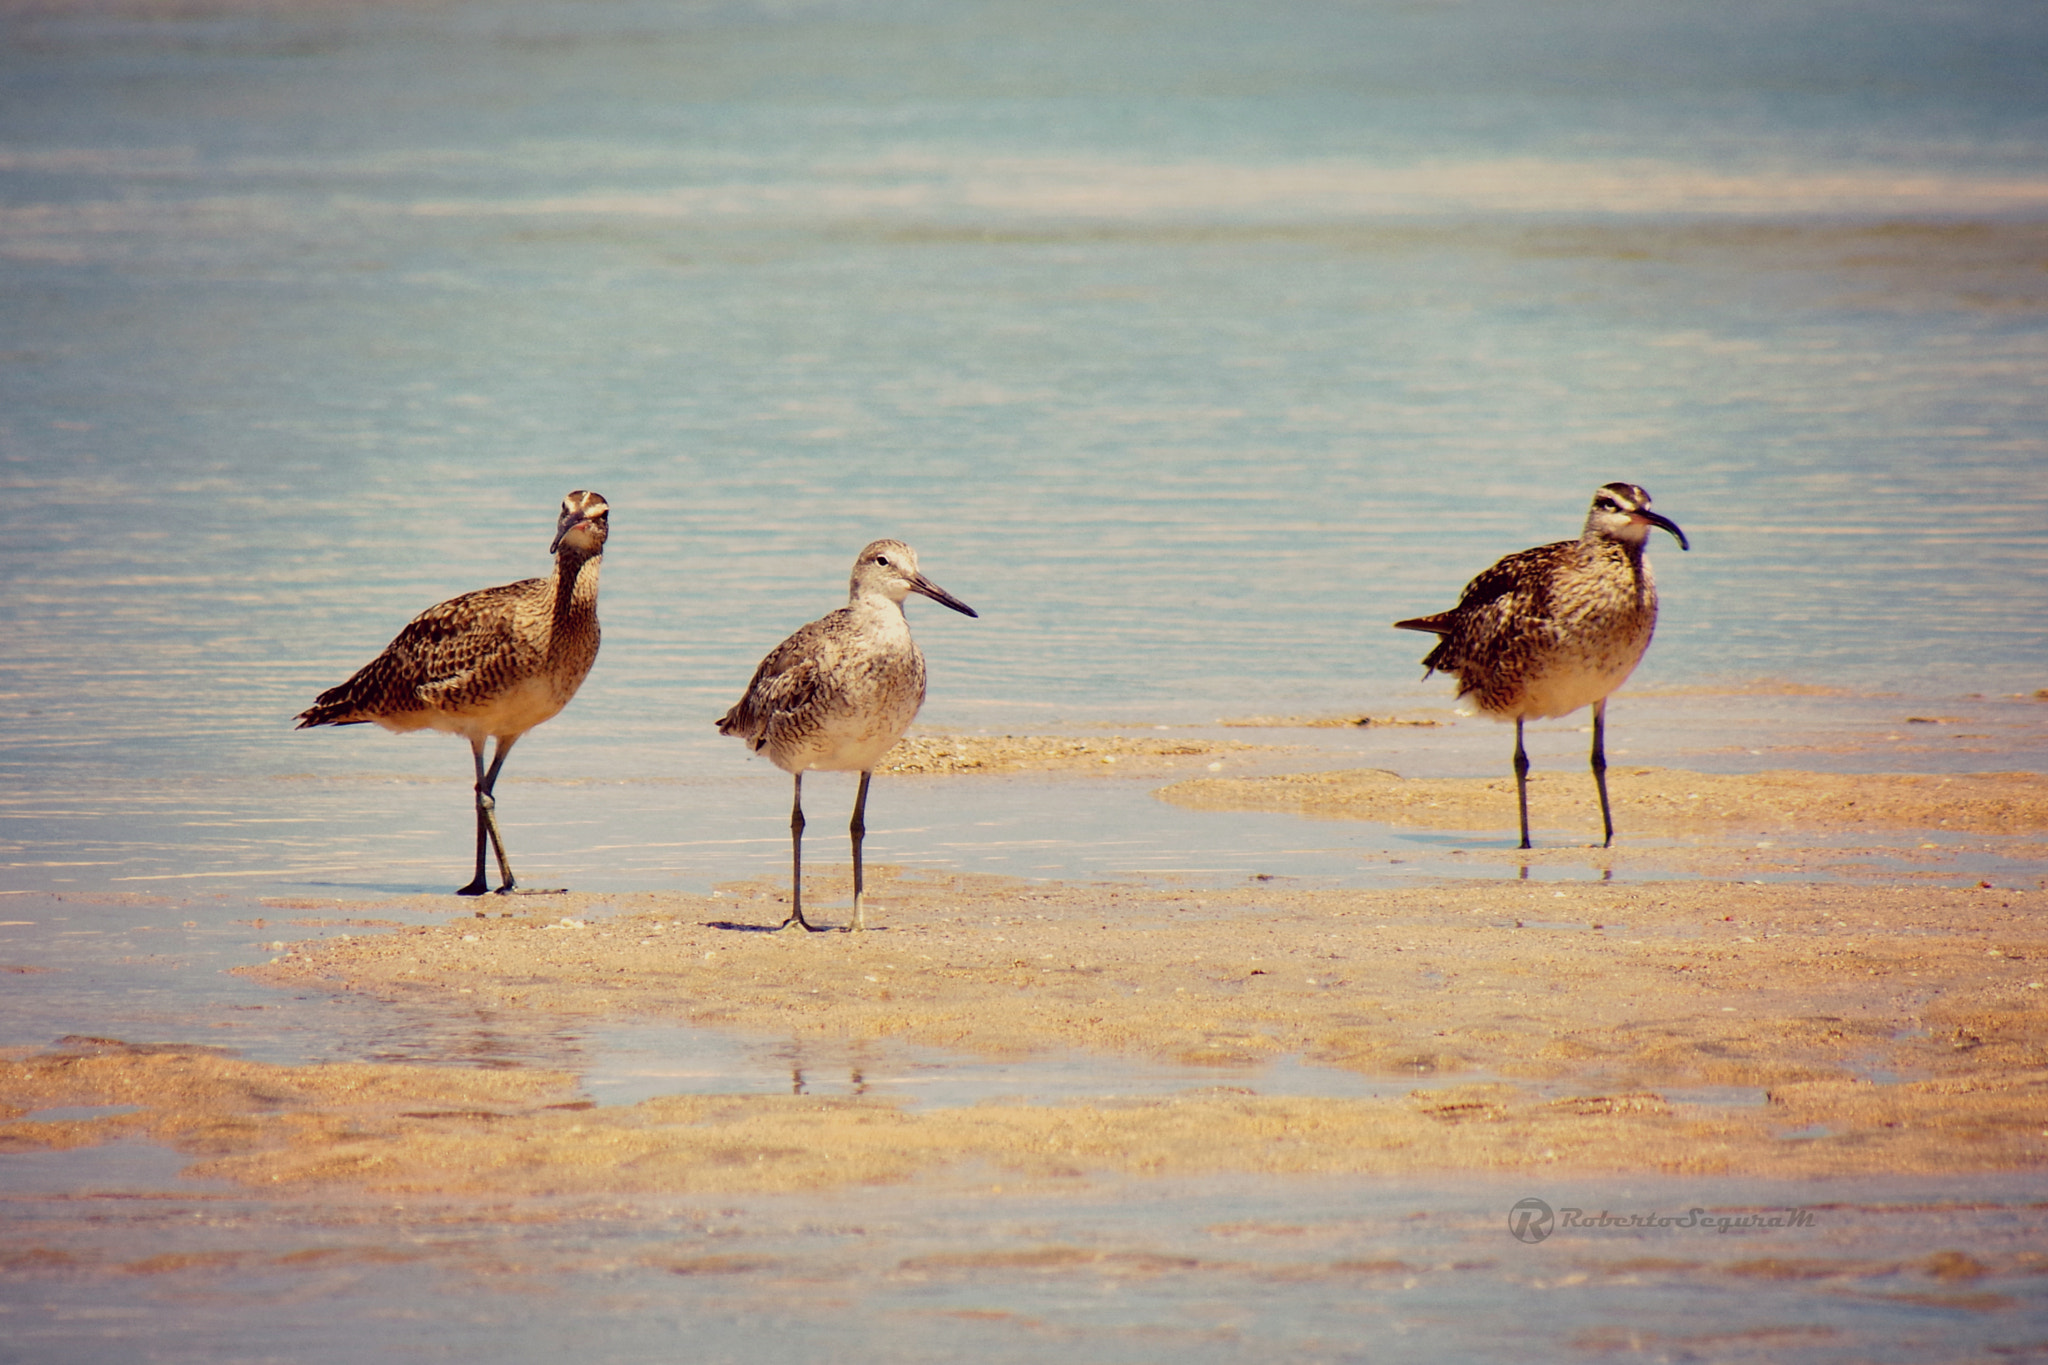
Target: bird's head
1621 511
584 524
888 568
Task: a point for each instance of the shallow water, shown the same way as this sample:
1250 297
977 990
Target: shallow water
1220 1271
407 827
1161 369
1191 350
1191 344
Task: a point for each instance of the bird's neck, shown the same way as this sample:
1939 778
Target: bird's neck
1600 543
1631 552
875 604
881 617
575 590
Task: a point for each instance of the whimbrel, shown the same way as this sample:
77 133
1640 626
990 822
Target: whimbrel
1549 630
839 693
488 664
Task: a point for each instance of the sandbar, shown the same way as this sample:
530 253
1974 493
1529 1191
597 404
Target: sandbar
1784 1029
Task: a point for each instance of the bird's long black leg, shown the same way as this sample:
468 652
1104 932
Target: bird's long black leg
796 860
487 809
478 885
1522 780
859 830
487 822
1600 770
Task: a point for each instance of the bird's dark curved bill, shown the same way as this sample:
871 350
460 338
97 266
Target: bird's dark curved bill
569 523
1669 525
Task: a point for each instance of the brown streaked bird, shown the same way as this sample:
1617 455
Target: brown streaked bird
839 693
490 664
1549 630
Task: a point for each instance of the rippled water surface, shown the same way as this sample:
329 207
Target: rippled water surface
1191 343
1231 1271
1191 347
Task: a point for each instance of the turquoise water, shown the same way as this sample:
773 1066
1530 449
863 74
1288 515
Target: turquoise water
1192 345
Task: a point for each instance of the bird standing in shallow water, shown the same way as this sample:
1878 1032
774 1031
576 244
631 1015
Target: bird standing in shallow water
839 693
1549 630
489 664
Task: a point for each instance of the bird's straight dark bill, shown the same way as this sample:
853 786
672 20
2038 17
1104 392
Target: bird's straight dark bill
927 588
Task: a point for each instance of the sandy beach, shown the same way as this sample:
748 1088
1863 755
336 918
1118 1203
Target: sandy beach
1822 1025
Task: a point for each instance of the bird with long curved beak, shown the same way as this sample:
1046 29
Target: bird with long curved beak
1546 631
839 693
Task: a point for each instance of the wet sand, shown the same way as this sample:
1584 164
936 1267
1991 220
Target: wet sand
1784 1030
1776 824
931 753
1651 801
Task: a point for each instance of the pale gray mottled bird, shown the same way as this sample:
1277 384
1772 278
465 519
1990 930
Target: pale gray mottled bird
839 693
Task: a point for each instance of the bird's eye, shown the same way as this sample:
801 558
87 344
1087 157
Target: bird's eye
1608 505
882 560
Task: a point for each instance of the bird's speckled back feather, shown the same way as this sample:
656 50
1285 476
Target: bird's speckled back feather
494 662
831 692
1548 630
